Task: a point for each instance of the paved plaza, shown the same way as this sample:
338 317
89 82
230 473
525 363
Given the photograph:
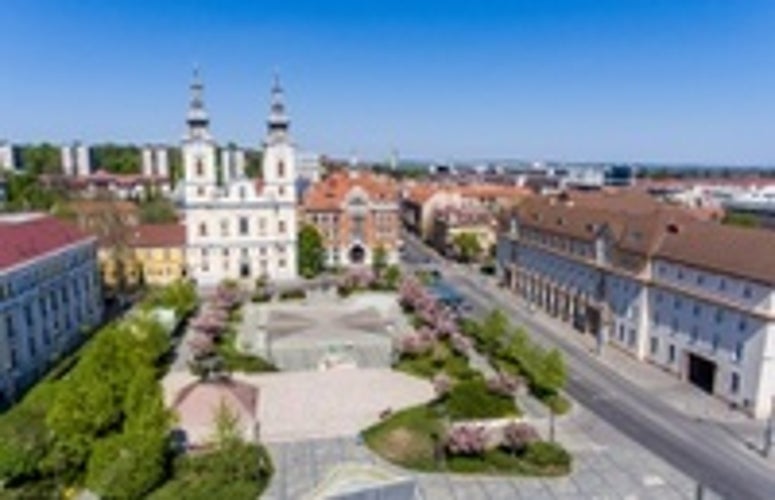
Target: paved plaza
298 335
305 405
607 465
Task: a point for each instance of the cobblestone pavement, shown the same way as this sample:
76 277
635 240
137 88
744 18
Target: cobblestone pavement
607 465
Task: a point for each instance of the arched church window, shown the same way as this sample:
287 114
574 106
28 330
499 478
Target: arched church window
280 168
200 167
202 229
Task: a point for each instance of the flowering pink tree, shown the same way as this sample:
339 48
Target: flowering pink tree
226 298
518 435
461 344
468 440
446 326
504 384
208 324
201 345
414 345
359 278
411 292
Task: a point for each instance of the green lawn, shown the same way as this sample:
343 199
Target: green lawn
406 439
441 359
236 361
471 400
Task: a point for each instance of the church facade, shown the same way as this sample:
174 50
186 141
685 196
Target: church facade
238 228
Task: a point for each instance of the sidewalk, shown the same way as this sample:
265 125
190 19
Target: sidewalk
671 390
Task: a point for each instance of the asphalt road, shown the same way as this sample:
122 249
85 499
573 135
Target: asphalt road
698 449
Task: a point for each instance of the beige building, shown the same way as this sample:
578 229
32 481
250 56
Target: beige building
449 223
356 213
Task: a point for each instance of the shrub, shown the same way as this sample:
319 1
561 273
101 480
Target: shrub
295 293
237 470
503 384
547 455
517 436
467 440
558 403
260 297
470 399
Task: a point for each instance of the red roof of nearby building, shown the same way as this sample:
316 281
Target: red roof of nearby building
25 237
329 194
158 235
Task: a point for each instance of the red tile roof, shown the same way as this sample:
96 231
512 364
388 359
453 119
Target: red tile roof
24 237
158 235
329 194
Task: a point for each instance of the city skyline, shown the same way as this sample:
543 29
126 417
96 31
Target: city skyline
571 81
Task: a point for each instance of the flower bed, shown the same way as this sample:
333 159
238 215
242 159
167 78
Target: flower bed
418 439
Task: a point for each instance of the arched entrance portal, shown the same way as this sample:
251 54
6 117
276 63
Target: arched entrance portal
357 254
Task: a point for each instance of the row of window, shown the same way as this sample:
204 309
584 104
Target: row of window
243 227
244 252
694 337
27 279
721 283
697 310
243 267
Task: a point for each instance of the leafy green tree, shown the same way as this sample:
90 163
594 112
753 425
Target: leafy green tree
311 253
253 163
131 464
26 192
43 158
553 373
117 158
379 260
392 276
156 210
493 330
467 246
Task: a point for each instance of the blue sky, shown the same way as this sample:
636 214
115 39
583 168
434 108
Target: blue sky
625 80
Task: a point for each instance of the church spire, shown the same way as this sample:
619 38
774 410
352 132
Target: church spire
197 118
278 121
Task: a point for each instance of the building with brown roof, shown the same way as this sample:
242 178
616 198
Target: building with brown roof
694 297
421 202
50 296
103 217
356 213
149 254
450 223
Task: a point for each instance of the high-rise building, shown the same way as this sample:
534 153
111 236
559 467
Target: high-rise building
237 227
76 160
155 162
7 156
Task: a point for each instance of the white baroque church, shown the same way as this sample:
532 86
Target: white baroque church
238 228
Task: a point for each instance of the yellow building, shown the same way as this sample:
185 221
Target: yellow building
152 254
449 223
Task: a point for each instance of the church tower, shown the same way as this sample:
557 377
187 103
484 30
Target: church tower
279 162
199 149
